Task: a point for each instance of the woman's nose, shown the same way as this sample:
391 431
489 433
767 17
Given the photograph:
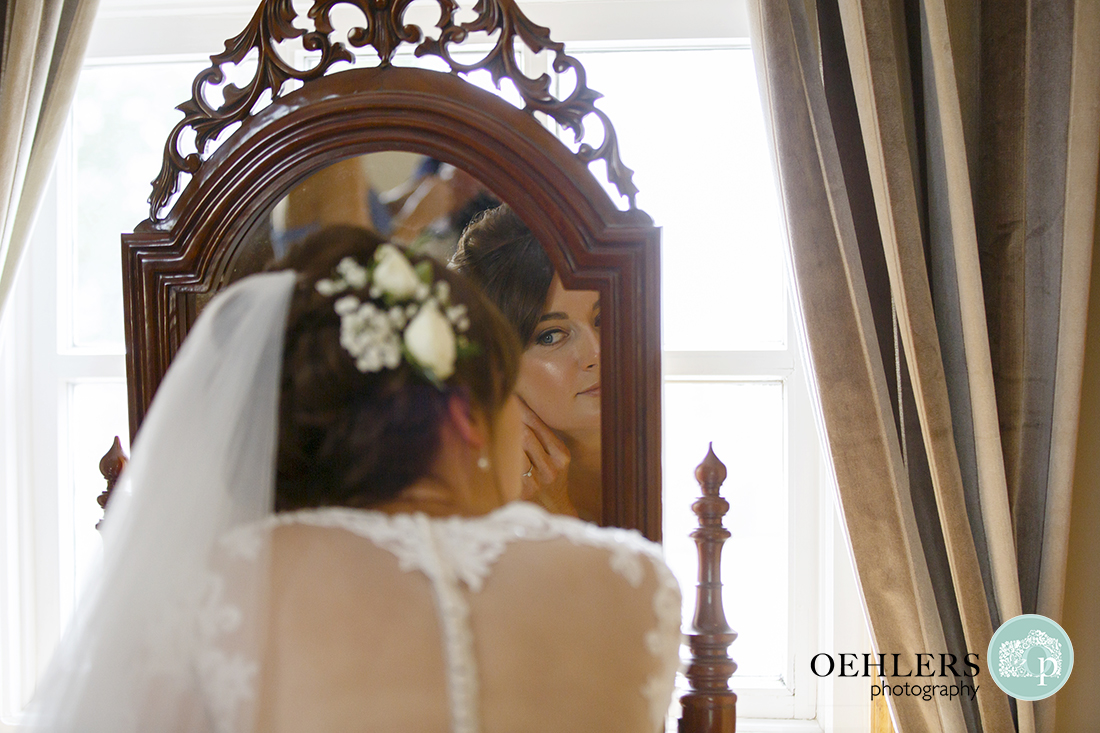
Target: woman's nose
590 354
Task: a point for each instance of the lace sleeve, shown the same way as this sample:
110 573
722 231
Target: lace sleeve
663 642
629 551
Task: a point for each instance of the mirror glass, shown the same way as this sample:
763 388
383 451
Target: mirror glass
409 199
426 205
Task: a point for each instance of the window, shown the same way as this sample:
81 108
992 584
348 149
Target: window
687 113
67 316
730 365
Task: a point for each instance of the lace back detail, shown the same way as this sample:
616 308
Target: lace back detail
454 552
454 617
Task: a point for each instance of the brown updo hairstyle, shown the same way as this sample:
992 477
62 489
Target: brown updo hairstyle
348 438
498 252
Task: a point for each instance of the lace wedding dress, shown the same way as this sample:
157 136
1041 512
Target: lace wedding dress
515 621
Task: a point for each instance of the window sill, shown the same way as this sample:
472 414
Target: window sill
771 725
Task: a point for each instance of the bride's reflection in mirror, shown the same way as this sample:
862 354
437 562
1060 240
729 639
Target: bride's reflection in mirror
437 209
559 379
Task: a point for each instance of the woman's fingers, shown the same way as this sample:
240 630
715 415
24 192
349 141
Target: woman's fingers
549 443
546 484
529 488
546 481
541 473
542 465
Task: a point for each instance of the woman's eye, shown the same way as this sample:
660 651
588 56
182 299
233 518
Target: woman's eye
596 321
550 337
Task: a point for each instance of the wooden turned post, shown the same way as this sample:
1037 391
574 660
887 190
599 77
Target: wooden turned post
709 706
110 465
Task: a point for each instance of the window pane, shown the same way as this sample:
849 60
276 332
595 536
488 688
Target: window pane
690 125
745 422
123 114
481 78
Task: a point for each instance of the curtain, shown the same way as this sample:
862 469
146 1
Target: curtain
937 162
40 59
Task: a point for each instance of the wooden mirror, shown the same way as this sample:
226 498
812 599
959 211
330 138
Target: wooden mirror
271 137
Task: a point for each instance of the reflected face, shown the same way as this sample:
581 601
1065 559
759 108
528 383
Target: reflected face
507 450
559 375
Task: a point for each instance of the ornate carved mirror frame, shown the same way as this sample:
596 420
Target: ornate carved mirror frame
189 250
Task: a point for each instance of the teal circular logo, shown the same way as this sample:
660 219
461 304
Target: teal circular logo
1030 657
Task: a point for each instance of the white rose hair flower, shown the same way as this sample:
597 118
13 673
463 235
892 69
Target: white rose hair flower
394 275
415 320
430 340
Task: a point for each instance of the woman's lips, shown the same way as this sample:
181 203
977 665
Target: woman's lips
593 391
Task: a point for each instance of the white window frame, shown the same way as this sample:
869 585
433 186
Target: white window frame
793 697
37 365
38 371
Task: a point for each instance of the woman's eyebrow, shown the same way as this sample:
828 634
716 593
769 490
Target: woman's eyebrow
555 316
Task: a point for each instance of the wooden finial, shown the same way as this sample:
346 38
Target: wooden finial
711 473
710 706
111 465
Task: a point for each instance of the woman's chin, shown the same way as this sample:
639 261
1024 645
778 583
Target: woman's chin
587 431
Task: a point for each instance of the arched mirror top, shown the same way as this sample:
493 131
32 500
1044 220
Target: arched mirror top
188 248
366 110
499 25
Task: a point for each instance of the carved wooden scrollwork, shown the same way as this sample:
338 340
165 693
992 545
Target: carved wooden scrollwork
271 24
503 15
385 31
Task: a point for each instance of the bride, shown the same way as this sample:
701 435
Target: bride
559 376
316 532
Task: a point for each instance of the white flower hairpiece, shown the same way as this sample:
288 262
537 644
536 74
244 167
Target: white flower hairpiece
415 319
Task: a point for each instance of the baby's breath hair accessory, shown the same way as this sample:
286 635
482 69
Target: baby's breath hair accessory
408 315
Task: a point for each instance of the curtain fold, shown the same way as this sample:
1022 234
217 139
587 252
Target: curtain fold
937 162
40 60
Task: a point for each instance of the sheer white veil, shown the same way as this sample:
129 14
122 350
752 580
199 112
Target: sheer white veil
202 463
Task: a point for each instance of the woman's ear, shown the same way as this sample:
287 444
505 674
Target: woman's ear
468 421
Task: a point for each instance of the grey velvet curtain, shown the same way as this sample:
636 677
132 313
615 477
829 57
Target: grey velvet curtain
40 59
938 166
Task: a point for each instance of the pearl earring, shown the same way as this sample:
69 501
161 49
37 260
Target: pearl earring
483 462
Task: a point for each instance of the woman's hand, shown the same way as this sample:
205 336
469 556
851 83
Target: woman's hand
546 482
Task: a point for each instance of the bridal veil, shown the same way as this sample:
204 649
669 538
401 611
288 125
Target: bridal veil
202 463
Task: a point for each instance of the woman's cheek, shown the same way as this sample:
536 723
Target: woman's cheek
541 387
